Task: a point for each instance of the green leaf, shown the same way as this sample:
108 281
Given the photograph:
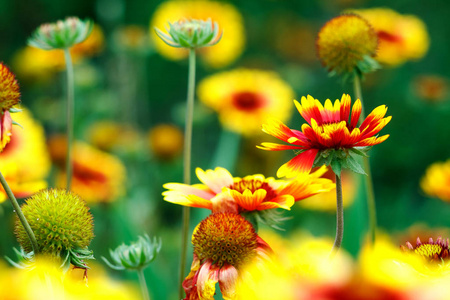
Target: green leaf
353 165
336 166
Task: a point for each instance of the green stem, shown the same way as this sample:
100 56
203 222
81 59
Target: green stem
70 113
20 215
187 163
339 217
143 284
368 179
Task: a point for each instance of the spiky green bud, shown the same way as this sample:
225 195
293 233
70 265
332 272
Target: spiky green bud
191 34
136 256
62 34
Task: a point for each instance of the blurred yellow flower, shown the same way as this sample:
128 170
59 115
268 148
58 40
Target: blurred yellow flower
35 64
327 201
47 281
401 37
225 14
436 181
245 98
131 38
165 141
110 135
97 175
433 88
25 161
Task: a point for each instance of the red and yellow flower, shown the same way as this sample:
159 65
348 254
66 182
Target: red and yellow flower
244 98
436 181
401 37
224 243
219 191
330 127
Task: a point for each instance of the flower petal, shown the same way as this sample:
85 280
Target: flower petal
228 275
215 179
282 201
199 190
248 200
208 276
186 200
302 163
276 147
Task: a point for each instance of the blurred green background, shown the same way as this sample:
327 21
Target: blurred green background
419 130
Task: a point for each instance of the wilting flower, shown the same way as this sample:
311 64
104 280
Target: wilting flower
347 43
327 201
401 37
62 224
226 16
435 181
165 141
223 244
9 97
220 191
97 175
62 34
25 161
191 34
138 255
244 98
330 137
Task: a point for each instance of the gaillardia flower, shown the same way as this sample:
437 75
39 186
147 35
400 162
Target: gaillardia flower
62 224
436 251
223 244
401 37
224 14
244 98
9 96
347 43
97 175
435 181
331 136
62 34
220 191
25 161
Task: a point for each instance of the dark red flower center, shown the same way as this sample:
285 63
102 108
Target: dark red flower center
248 101
389 37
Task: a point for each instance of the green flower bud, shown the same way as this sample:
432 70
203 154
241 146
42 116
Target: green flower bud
136 256
62 34
191 34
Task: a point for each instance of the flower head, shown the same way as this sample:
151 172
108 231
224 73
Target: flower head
138 255
347 43
165 141
62 224
436 251
224 14
401 37
244 98
220 191
62 34
191 34
223 244
331 136
435 182
97 175
25 161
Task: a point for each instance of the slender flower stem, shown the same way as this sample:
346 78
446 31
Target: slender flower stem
187 163
339 217
369 182
20 215
143 284
70 113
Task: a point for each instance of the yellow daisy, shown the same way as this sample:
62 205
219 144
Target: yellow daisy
245 98
225 14
25 161
401 37
436 181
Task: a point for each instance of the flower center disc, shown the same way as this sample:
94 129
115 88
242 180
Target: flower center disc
225 238
429 251
247 101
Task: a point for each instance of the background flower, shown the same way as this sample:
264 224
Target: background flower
435 181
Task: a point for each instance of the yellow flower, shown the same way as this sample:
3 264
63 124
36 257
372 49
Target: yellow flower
245 98
227 17
345 43
166 141
97 175
433 88
109 136
401 37
327 201
435 182
25 161
132 38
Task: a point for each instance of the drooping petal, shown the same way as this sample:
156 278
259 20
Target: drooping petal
302 163
215 179
190 282
200 190
208 276
187 200
5 129
228 275
224 202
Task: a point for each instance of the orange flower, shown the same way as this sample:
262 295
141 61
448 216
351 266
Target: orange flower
330 127
222 192
235 245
